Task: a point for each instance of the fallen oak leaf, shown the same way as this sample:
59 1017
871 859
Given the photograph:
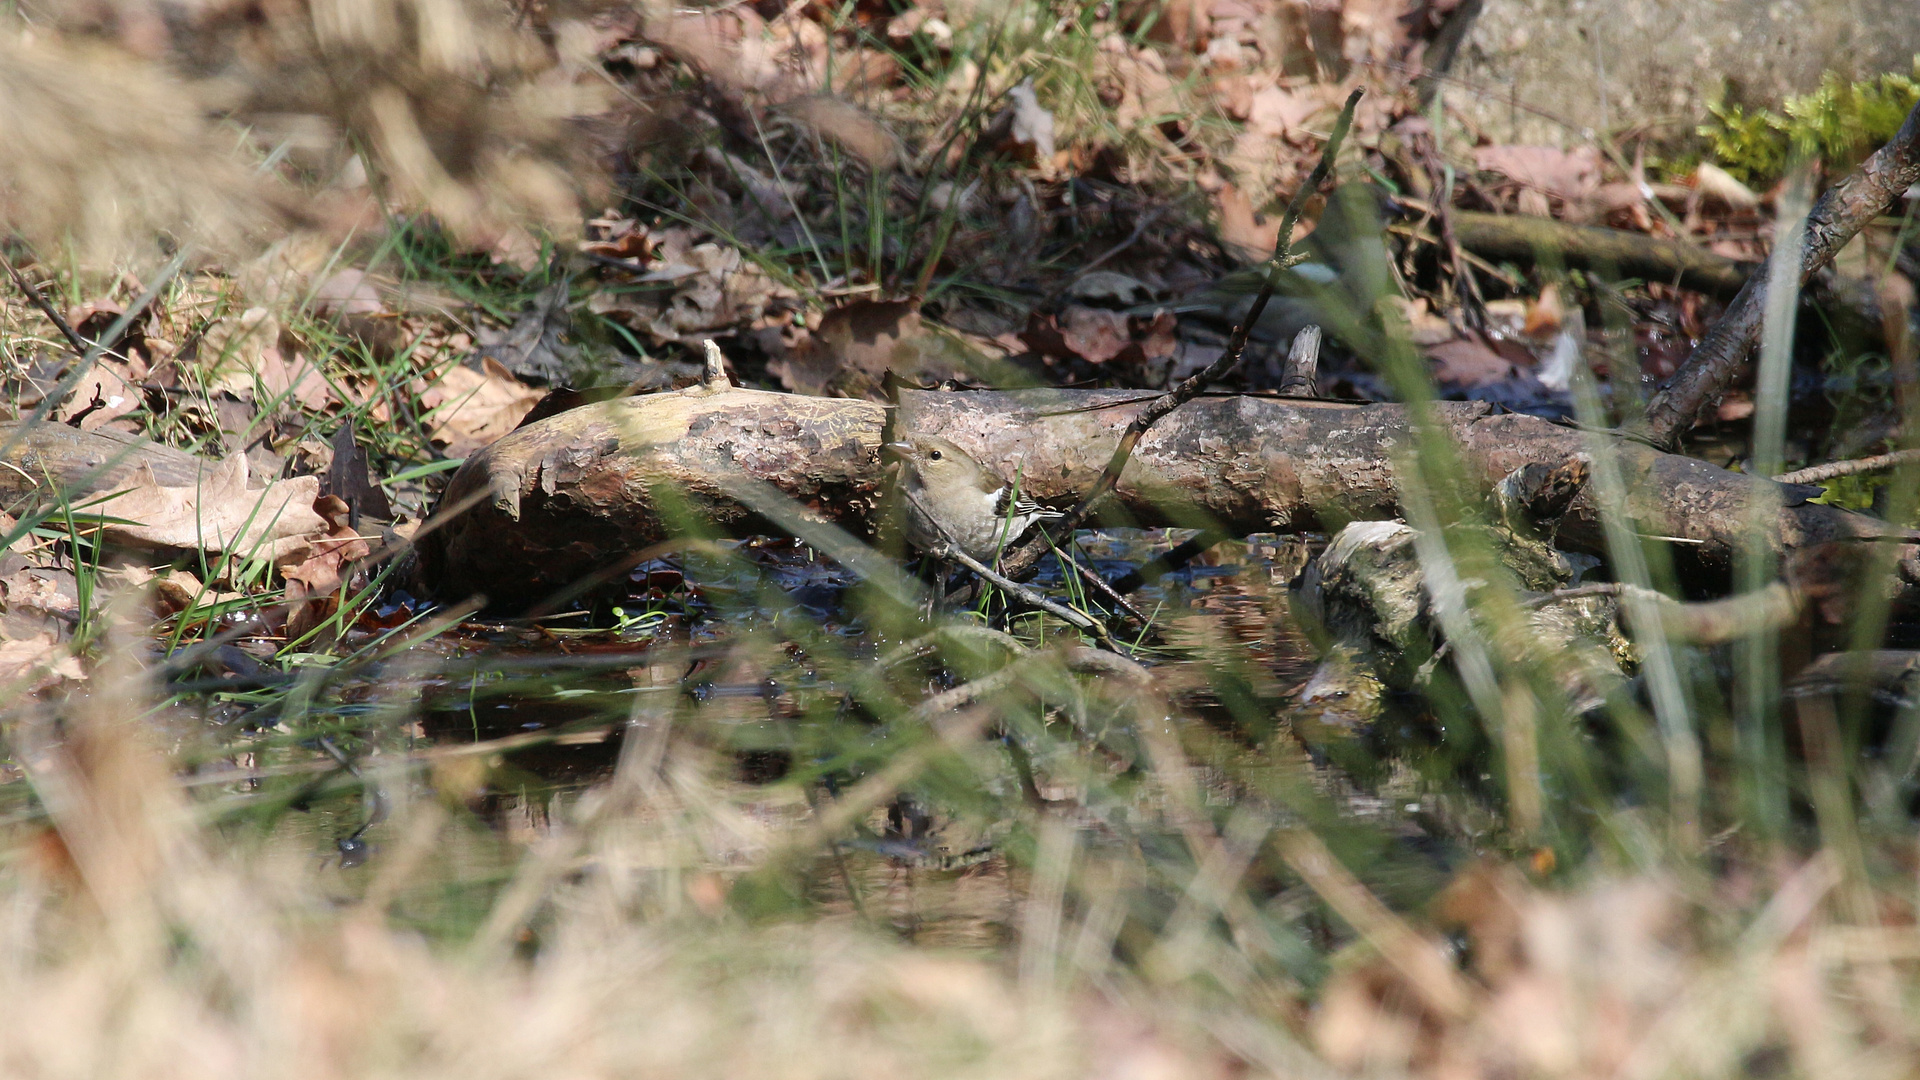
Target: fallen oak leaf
38 657
218 514
322 570
1467 363
103 394
469 409
313 582
1096 335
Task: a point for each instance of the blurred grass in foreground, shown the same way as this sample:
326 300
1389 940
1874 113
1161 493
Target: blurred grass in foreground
870 843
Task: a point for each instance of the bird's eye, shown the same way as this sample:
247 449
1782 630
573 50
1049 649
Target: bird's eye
934 456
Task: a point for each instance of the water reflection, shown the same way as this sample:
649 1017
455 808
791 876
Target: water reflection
510 723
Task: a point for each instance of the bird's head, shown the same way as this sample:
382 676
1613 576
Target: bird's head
939 464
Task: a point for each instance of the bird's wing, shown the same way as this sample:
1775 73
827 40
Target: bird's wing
1022 506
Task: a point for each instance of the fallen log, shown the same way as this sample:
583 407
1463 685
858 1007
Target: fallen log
1522 238
46 459
565 498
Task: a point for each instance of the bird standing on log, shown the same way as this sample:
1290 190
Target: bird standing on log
951 498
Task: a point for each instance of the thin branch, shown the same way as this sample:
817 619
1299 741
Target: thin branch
1167 562
1842 212
78 343
1099 585
1026 594
949 549
1022 559
1814 474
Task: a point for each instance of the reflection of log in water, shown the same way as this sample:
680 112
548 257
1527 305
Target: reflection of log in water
563 498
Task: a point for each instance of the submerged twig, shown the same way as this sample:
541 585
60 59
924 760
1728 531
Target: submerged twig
1169 561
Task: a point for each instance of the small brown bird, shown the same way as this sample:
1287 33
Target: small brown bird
976 509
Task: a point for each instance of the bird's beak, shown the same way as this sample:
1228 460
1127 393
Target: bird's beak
896 449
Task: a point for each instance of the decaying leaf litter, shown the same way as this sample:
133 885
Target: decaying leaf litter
1197 853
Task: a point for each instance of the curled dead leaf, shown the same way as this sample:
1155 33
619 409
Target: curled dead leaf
37 661
1570 175
103 394
469 409
1468 363
218 514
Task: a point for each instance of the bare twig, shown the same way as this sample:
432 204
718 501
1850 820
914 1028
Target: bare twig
951 550
1021 560
78 343
1099 584
1814 474
1842 212
1026 595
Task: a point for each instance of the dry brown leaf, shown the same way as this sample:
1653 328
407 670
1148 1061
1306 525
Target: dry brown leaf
312 582
1713 182
1096 335
854 346
1276 111
41 591
1250 236
244 359
1468 363
321 570
1570 175
220 514
863 69
470 409
1234 93
1137 79
620 238
347 292
1146 346
716 289
730 46
1423 326
38 658
175 591
1734 405
104 394
1545 314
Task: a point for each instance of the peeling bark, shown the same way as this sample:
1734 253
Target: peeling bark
569 496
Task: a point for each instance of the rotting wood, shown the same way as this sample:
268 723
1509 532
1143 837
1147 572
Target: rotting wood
574 493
